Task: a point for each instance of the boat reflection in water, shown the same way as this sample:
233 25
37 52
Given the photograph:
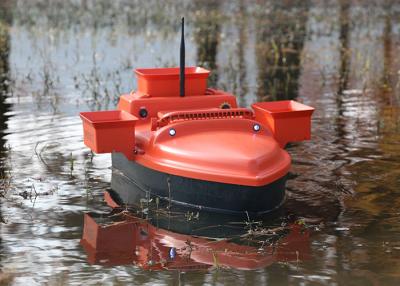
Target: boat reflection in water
172 239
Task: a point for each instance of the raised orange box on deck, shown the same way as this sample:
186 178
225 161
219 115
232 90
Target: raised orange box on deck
108 131
164 82
288 120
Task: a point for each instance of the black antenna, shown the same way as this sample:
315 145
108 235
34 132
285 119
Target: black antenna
182 60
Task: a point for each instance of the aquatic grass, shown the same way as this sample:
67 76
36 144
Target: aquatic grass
10 189
190 216
215 260
32 194
100 90
6 184
6 177
39 154
86 171
169 192
71 164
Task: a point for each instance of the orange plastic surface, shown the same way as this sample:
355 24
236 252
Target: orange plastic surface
288 120
225 150
171 117
133 102
164 82
108 131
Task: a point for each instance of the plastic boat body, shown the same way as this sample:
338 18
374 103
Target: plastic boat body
200 150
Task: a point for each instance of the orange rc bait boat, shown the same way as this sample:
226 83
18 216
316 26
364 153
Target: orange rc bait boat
178 140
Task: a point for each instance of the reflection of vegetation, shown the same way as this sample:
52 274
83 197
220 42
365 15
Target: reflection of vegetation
280 40
344 67
206 34
387 50
5 177
99 14
100 89
344 22
390 75
5 22
243 85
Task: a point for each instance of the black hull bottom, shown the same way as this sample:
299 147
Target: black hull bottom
132 182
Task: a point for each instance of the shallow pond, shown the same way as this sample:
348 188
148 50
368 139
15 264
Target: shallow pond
61 57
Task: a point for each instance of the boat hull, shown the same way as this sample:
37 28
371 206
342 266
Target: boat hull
132 182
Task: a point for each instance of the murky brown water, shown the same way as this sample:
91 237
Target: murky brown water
60 57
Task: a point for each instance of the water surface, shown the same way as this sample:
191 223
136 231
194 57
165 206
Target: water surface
61 57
